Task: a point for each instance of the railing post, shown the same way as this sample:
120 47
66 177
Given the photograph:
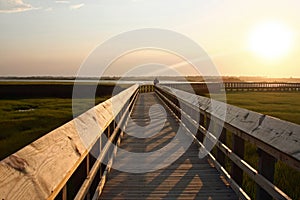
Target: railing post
88 196
238 145
64 193
100 151
199 133
220 154
108 130
209 126
266 167
113 127
207 123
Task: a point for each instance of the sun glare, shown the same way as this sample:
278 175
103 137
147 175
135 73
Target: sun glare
270 40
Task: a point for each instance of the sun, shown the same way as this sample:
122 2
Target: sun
270 40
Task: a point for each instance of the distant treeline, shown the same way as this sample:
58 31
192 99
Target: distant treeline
165 78
56 90
129 78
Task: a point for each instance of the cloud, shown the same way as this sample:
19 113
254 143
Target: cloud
62 1
76 6
13 6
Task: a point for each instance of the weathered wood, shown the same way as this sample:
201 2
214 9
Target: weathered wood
41 169
83 191
220 155
258 178
238 145
199 134
238 162
266 167
277 137
188 177
64 193
88 196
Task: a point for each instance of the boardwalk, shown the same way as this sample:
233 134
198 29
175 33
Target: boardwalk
61 165
187 178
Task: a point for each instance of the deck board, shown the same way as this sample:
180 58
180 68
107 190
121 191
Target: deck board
187 178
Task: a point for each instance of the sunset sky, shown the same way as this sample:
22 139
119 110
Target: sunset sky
243 38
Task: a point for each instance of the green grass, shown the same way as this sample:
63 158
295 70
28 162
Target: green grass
282 105
24 120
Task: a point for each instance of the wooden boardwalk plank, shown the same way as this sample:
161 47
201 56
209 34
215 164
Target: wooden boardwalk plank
187 178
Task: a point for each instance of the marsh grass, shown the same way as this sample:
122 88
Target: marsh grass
24 120
282 105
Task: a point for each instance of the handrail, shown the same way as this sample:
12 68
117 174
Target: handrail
44 168
275 138
90 177
176 110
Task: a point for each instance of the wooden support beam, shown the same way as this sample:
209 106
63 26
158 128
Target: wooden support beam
266 167
238 146
220 154
200 135
88 195
64 193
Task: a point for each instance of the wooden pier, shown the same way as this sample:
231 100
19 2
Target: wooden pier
78 160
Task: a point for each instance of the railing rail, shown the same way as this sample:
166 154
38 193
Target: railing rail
237 86
276 139
59 165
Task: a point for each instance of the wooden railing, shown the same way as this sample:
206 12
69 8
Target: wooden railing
236 86
261 86
146 88
60 165
275 139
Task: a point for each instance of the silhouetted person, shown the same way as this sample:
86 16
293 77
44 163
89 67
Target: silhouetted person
156 81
